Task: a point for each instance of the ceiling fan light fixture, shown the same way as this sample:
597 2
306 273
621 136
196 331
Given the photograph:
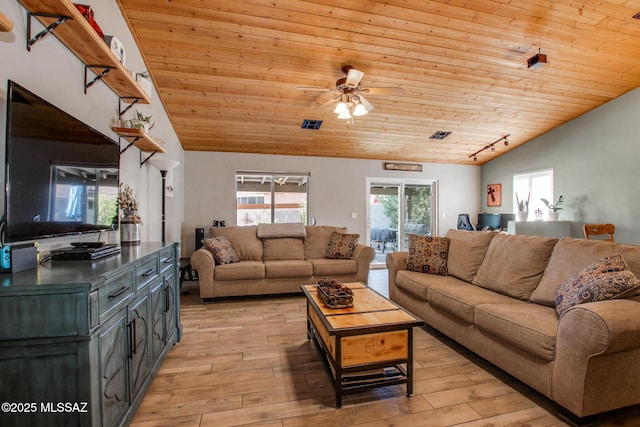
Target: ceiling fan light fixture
360 110
345 115
342 107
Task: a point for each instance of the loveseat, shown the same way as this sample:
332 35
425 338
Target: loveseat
496 294
278 258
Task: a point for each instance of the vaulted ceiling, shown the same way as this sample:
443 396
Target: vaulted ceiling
227 71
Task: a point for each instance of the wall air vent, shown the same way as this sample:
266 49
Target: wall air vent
441 134
311 124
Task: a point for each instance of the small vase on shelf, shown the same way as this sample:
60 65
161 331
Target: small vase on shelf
553 216
523 215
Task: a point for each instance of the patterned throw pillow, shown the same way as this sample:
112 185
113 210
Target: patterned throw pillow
428 254
221 249
341 246
605 279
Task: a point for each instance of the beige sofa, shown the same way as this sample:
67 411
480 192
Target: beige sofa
498 301
276 264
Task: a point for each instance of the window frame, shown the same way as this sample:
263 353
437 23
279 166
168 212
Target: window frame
273 177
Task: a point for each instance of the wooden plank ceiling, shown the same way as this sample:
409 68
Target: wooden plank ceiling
227 71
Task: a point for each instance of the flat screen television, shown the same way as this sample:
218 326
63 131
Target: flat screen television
61 175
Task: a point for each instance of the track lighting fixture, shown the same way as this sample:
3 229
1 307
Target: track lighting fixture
490 146
536 60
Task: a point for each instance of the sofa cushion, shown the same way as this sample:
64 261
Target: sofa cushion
570 255
466 252
326 267
283 248
514 264
244 241
318 238
529 327
414 283
605 279
342 245
243 270
428 254
459 299
289 229
288 268
221 249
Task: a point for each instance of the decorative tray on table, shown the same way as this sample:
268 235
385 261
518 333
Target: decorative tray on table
334 294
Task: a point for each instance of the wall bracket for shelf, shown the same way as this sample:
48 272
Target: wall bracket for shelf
142 162
99 76
32 40
133 102
129 146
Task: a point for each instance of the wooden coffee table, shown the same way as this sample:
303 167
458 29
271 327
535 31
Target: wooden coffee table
365 346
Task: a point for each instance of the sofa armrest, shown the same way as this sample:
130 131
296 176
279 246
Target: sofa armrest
598 346
202 260
396 261
363 255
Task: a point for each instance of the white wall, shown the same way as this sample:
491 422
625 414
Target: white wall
52 72
337 188
595 161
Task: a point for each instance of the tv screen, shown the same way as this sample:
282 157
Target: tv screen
61 174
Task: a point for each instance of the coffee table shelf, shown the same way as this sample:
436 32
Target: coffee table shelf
362 347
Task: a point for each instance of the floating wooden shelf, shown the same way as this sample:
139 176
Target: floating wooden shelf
5 23
140 139
78 35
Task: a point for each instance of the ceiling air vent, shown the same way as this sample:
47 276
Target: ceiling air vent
441 134
311 124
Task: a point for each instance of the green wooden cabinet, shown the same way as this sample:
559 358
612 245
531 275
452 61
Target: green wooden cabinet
82 340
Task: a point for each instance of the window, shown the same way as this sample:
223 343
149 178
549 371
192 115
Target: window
267 197
533 186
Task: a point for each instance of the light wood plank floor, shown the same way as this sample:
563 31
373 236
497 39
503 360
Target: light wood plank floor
248 362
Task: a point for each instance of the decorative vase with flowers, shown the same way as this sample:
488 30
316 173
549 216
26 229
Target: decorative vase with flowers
523 207
553 208
130 222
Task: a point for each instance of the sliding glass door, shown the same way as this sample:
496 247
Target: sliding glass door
396 209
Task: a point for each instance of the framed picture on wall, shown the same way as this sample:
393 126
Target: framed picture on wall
494 195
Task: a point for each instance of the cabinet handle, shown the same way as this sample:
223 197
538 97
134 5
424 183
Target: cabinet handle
167 260
149 272
167 298
119 292
132 341
133 329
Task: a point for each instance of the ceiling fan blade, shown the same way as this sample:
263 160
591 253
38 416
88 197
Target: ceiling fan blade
315 89
353 77
391 91
369 106
333 98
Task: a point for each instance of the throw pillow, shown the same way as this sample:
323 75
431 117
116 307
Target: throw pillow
605 279
341 245
428 254
221 249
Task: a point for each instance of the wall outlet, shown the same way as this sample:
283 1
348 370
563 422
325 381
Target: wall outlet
354 215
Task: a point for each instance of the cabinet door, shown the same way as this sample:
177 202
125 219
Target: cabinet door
139 350
158 337
114 386
171 306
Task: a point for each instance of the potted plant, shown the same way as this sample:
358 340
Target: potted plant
130 221
140 121
523 207
553 208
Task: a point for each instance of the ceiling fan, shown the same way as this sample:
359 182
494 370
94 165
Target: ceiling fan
349 93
